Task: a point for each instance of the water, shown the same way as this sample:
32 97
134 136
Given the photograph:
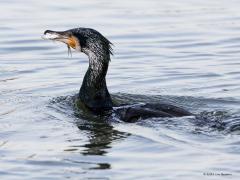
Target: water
180 52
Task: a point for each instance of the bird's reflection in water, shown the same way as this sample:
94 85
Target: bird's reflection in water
98 129
100 133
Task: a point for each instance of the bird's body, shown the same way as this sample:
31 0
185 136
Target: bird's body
93 92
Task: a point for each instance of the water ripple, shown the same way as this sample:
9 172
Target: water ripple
179 52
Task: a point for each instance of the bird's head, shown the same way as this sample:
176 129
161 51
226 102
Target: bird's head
85 40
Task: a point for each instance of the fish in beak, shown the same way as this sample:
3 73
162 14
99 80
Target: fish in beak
63 36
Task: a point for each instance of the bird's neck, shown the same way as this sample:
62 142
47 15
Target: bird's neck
93 92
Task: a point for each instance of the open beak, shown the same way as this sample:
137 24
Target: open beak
54 35
64 37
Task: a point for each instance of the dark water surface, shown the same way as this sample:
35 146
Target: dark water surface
181 52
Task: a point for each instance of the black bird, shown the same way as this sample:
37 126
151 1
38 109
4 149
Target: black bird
93 93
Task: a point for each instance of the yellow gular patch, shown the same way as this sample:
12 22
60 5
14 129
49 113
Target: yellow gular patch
72 42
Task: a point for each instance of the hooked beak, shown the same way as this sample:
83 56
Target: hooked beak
62 36
55 35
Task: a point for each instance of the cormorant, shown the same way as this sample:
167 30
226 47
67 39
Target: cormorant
93 93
